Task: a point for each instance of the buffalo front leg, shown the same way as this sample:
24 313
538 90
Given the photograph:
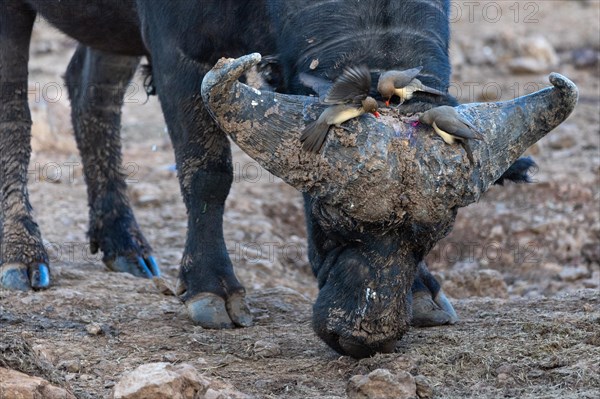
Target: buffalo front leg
430 306
23 259
207 284
97 82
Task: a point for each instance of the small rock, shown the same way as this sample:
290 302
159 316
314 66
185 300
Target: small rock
497 231
201 361
560 141
479 54
264 348
551 267
533 150
381 383
212 394
465 265
574 273
72 366
165 380
504 368
163 286
43 353
539 48
161 380
94 329
523 65
593 281
424 389
504 378
591 252
144 194
16 385
224 393
170 357
585 57
148 200
536 53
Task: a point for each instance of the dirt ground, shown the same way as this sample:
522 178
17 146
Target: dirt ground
522 265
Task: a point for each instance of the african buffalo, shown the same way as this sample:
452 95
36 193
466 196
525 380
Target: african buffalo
374 209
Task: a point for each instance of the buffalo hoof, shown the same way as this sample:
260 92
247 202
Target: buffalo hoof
430 312
16 276
211 311
136 265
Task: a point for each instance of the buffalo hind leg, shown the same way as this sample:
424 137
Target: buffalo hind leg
23 258
97 82
430 306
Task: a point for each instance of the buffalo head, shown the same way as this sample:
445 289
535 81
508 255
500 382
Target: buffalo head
381 195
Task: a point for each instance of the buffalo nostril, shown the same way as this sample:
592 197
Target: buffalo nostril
359 350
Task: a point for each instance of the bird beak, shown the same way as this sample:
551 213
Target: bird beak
387 103
377 114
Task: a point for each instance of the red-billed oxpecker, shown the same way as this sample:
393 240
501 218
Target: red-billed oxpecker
402 84
451 127
349 96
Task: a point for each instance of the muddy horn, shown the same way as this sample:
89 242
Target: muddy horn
513 126
380 170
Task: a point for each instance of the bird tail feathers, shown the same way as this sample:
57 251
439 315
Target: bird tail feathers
314 136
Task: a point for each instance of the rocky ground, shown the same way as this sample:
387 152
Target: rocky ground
522 265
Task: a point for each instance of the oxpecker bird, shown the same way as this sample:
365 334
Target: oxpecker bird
349 96
402 84
448 124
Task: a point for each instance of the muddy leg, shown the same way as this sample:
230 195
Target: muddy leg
97 82
213 295
430 306
23 259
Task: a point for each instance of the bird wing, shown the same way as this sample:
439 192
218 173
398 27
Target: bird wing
456 127
430 90
403 78
319 85
478 136
352 86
